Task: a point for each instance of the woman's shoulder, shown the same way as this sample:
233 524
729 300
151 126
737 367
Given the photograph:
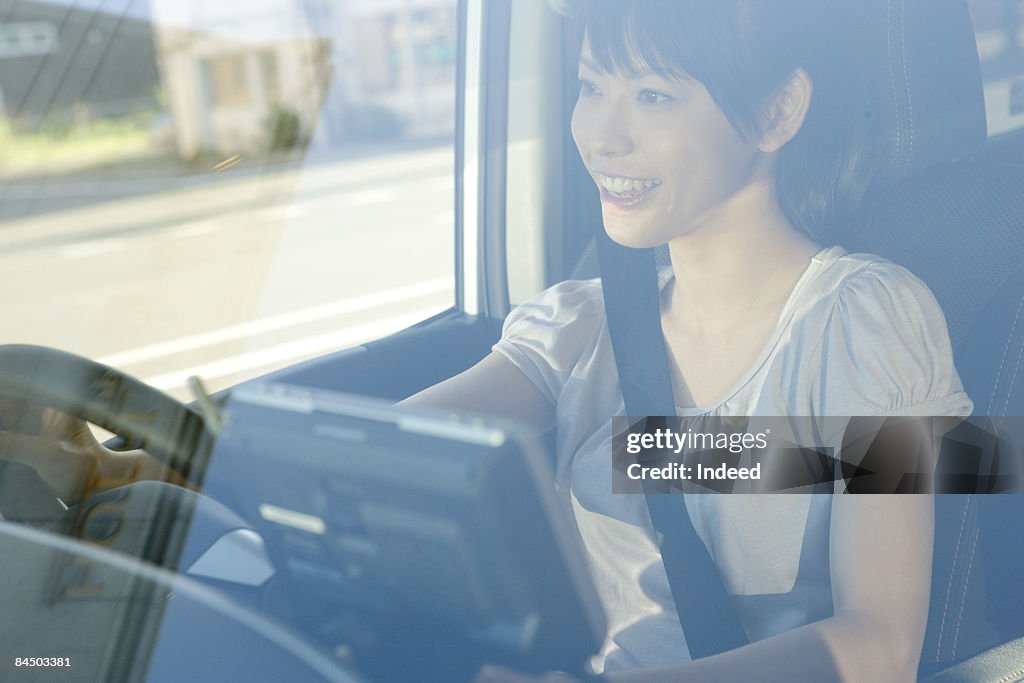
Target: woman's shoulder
867 287
845 269
569 297
567 304
872 290
884 346
546 335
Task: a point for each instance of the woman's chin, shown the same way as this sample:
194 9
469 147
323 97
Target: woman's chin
631 233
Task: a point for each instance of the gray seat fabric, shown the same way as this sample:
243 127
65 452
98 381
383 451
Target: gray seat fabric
960 227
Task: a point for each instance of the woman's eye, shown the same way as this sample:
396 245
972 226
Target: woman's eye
587 89
653 97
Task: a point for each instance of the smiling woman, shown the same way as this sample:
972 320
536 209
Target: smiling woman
736 71
733 132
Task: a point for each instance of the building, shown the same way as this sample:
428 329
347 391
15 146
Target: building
347 71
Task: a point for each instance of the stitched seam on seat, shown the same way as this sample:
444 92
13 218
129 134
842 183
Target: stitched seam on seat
949 586
1002 361
892 77
1013 380
906 78
967 582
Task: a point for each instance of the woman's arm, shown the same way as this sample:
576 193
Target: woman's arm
881 577
881 556
494 386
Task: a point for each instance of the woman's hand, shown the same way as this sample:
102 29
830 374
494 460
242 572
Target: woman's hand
64 452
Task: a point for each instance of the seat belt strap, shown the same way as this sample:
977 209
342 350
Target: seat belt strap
629 280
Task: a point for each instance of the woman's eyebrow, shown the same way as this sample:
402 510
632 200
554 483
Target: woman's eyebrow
633 75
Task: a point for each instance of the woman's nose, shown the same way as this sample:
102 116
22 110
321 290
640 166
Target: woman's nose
610 133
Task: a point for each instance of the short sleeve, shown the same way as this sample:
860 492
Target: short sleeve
886 350
546 336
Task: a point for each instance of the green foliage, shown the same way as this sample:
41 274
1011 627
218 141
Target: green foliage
284 130
55 146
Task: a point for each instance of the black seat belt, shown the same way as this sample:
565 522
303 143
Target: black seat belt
630 282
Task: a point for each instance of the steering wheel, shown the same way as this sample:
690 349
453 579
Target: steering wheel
173 433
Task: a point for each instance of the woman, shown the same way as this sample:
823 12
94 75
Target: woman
729 130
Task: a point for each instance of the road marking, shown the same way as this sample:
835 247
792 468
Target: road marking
91 248
277 214
441 183
366 197
105 220
191 229
292 351
277 322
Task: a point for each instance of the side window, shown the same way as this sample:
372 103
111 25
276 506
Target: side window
999 29
224 188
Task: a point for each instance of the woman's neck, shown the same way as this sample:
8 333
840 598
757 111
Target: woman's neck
746 253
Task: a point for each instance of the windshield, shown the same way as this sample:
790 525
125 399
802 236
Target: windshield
311 366
217 189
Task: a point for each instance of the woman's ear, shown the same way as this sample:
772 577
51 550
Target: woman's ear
785 111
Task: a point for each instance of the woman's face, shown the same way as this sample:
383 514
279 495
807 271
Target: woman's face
662 153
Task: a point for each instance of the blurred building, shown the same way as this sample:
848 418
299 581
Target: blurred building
228 67
344 71
395 57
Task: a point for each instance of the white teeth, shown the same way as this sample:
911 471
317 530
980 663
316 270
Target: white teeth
625 185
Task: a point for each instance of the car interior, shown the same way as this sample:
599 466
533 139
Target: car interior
948 204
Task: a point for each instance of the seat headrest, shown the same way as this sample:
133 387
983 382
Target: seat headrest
924 82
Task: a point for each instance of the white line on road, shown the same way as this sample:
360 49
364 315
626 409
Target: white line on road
441 183
277 322
92 248
302 348
277 214
191 229
379 196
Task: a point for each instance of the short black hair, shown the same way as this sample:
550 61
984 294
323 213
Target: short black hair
742 51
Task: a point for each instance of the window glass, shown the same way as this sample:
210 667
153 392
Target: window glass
224 188
999 28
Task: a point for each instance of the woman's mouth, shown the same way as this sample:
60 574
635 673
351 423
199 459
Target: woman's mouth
624 192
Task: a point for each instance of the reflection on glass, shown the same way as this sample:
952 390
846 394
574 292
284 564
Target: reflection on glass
220 188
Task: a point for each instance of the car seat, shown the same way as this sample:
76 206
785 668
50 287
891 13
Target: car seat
956 220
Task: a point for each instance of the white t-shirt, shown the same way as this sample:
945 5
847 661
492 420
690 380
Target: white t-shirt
858 336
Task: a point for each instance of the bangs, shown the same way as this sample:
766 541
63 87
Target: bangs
667 37
709 41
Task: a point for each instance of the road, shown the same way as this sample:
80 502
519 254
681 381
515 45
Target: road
231 279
